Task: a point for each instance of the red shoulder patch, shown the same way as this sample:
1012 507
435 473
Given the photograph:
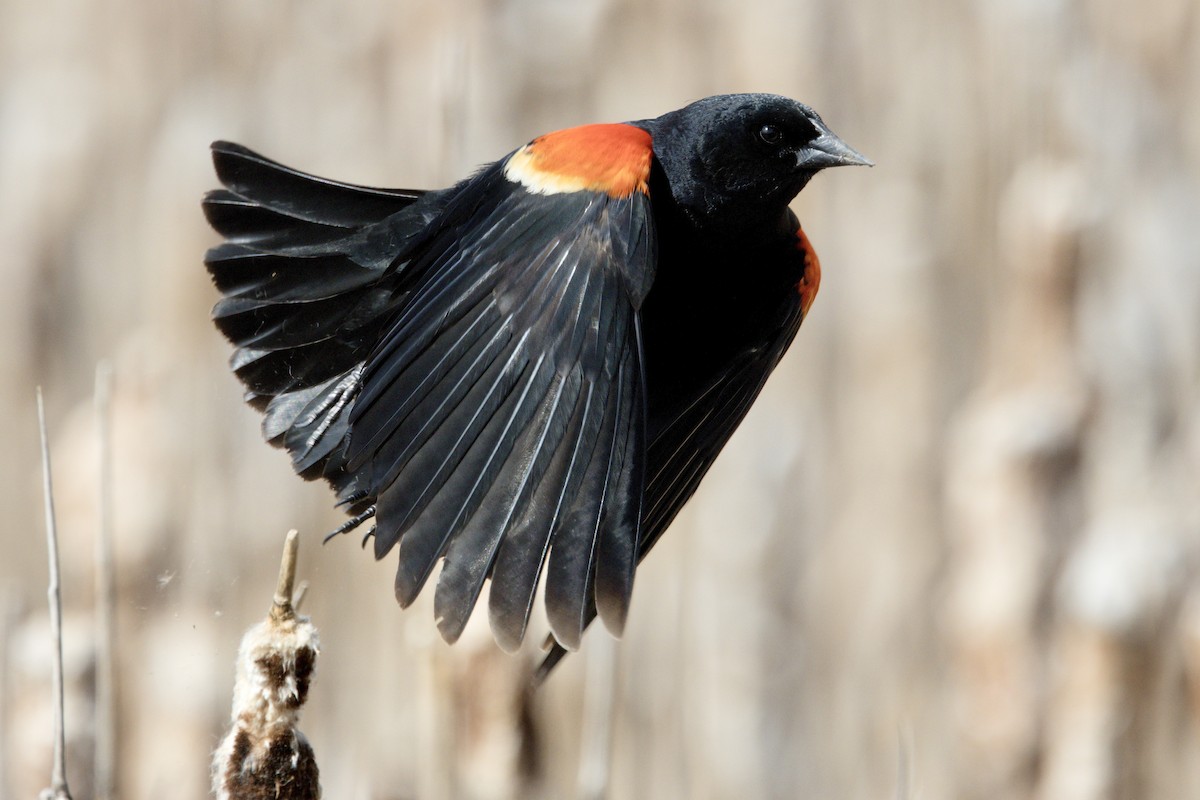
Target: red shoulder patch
612 158
811 281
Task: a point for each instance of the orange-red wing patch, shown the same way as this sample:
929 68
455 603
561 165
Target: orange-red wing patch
613 158
811 281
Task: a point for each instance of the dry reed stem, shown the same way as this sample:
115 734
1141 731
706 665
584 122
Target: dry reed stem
58 777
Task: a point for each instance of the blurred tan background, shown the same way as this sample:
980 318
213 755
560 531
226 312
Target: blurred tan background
953 553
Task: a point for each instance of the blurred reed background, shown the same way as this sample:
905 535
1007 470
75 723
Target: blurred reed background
953 552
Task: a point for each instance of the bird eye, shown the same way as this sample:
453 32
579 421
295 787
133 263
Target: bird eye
771 134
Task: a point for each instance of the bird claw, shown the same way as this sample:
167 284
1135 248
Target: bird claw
351 524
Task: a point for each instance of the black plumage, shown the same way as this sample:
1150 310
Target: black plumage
525 375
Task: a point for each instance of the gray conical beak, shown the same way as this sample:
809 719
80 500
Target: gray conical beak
827 150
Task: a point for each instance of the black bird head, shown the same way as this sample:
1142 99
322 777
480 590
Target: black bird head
736 160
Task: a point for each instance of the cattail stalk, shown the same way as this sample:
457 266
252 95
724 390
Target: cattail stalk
265 755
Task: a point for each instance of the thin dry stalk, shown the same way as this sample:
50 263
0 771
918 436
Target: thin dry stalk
58 777
105 760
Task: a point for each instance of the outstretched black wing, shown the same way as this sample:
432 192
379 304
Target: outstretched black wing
501 420
684 449
465 364
687 430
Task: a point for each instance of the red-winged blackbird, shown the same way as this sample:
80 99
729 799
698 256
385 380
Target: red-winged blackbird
536 366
